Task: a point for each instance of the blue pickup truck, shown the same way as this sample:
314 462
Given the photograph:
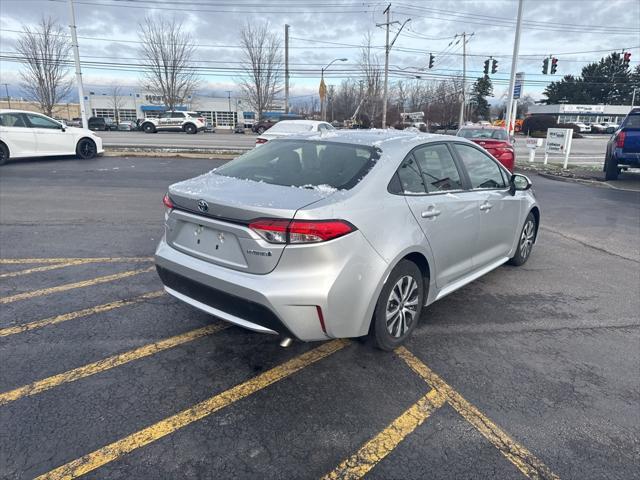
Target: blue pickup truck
623 148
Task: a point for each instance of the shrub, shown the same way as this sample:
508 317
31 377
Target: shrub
538 123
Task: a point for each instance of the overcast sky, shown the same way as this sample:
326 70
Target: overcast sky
576 31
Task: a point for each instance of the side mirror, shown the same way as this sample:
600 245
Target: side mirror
519 183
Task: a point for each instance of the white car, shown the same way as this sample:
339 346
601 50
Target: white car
293 127
188 122
584 128
30 134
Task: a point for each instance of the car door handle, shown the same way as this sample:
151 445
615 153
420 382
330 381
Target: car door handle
486 206
431 213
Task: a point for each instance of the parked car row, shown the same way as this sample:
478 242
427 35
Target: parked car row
607 127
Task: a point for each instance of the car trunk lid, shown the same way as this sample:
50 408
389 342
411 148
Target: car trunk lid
212 213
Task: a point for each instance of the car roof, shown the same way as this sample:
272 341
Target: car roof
301 122
384 139
7 110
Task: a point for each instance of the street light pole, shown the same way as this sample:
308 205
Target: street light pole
76 56
323 113
514 66
286 68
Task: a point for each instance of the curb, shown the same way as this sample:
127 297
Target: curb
596 183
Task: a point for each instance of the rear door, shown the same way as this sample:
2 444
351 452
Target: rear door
447 213
50 138
499 211
20 139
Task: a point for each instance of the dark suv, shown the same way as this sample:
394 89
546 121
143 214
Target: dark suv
101 123
267 122
623 148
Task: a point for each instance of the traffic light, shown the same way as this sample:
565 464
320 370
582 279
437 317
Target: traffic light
431 59
626 58
486 66
554 65
545 66
494 66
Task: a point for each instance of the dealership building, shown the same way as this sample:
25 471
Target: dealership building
566 113
224 112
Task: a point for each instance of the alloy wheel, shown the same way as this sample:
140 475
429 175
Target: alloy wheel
87 149
526 239
402 306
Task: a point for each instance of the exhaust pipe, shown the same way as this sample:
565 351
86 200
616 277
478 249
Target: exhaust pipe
285 342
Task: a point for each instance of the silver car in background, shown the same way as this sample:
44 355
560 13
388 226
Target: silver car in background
343 234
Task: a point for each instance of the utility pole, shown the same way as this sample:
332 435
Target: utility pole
633 97
387 50
6 89
386 69
463 97
514 66
286 68
76 56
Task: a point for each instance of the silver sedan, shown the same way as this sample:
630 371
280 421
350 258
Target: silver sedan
343 234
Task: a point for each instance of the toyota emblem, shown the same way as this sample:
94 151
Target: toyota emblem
203 206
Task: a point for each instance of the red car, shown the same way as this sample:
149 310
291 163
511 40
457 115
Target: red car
494 140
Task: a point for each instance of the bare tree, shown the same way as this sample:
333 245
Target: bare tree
44 50
116 100
262 74
168 52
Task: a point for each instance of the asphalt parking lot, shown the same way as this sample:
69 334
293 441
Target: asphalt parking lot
529 372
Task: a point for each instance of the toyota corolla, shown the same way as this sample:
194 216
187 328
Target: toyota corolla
343 235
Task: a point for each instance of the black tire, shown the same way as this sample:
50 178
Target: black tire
4 154
525 241
190 128
260 130
389 331
148 128
86 149
611 170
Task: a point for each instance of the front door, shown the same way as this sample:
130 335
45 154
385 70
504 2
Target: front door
446 212
50 137
500 214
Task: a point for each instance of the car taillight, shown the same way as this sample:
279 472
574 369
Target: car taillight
300 231
261 140
167 201
201 119
620 139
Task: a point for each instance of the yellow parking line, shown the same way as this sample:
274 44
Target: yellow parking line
71 286
44 268
372 452
106 364
150 434
4 332
522 458
19 261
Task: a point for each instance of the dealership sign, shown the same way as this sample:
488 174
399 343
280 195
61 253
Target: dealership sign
558 141
581 108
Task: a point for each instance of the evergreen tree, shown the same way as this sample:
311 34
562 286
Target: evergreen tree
481 89
608 81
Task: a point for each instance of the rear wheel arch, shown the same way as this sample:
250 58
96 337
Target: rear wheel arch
423 264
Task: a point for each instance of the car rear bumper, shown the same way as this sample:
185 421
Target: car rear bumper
328 297
626 158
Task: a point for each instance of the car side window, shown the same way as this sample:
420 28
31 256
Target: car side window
410 178
12 120
438 168
37 121
483 171
177 115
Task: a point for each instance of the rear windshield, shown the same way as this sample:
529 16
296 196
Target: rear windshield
496 134
632 121
304 163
